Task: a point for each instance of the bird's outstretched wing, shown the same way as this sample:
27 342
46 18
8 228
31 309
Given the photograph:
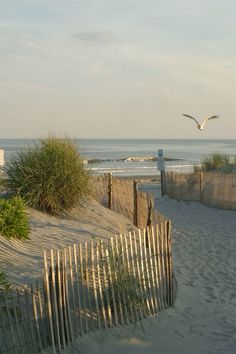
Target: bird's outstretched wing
206 119
188 116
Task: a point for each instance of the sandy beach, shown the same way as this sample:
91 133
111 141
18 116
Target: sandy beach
203 320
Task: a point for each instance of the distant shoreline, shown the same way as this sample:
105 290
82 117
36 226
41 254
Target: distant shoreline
131 159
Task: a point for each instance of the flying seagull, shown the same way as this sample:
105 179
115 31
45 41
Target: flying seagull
201 126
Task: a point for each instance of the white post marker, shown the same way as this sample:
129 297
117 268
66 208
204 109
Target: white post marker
1 157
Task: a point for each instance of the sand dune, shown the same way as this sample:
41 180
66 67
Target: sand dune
23 260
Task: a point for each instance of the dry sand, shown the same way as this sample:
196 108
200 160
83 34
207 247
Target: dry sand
203 320
23 260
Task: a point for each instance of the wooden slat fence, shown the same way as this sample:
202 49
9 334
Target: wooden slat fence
106 284
122 196
212 189
90 286
23 321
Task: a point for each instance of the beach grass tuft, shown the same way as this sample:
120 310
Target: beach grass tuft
217 162
127 287
50 177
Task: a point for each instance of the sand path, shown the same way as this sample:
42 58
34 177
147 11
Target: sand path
203 320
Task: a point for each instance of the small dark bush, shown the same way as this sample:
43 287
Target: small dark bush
5 286
13 218
50 177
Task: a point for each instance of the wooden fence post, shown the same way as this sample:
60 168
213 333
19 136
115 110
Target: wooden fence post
135 195
150 210
201 186
162 182
169 254
109 190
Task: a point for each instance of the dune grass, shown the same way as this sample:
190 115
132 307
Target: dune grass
217 162
50 177
127 287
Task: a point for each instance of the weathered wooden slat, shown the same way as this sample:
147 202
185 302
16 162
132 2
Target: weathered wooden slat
159 266
151 270
36 317
137 264
4 346
42 320
169 245
110 191
64 302
93 270
72 287
30 319
143 277
112 287
59 277
146 268
123 239
163 268
54 300
84 304
99 256
166 255
77 291
155 267
49 305
135 202
106 284
87 273
19 334
114 259
120 265
21 310
67 297
10 322
137 309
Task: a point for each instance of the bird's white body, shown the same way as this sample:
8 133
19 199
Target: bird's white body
200 126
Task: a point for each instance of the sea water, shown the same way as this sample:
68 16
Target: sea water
135 157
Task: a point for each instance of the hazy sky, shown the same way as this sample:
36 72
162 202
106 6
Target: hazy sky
124 68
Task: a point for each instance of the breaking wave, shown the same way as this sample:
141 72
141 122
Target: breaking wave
129 159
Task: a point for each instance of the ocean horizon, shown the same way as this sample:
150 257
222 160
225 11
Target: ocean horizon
130 157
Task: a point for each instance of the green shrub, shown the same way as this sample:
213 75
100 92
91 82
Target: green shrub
5 286
13 218
50 177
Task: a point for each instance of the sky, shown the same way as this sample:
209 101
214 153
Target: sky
117 69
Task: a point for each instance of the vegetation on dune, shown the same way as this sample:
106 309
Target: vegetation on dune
127 287
217 162
5 286
13 218
50 177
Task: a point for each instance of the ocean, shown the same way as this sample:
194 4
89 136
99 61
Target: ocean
135 157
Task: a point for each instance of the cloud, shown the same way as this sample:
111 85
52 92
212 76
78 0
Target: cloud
95 37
